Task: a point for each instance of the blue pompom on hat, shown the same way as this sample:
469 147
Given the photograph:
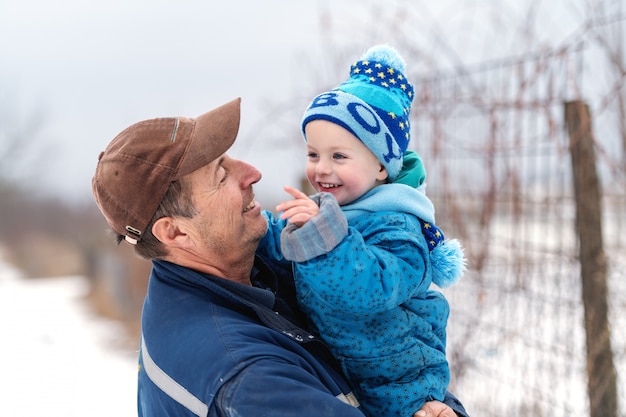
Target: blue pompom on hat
373 104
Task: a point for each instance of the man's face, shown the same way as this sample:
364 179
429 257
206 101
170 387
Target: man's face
229 220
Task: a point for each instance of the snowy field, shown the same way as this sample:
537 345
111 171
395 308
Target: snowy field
57 359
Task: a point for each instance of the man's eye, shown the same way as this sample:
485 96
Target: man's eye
224 176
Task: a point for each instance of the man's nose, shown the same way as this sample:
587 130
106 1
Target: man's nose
251 175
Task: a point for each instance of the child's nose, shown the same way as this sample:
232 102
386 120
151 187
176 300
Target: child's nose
322 167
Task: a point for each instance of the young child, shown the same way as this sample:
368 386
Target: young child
365 247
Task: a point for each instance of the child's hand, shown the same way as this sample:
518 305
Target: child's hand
299 210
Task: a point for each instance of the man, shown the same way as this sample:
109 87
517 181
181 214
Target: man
221 331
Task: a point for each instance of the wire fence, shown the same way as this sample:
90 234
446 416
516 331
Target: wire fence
499 171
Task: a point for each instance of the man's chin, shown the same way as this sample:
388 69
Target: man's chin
262 230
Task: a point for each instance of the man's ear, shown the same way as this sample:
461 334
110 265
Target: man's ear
382 173
167 230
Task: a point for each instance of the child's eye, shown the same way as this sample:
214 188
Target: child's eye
338 156
312 155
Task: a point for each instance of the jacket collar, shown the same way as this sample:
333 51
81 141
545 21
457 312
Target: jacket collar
261 301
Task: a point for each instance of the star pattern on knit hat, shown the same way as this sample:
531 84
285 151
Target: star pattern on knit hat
384 74
386 77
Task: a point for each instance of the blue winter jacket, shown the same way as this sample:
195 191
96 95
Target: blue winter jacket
365 285
211 347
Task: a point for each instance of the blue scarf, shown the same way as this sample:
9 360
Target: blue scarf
392 197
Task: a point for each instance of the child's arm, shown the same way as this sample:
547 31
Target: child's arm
317 234
299 210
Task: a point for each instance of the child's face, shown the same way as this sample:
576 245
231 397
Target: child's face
339 163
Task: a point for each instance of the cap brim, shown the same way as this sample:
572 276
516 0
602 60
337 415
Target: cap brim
214 133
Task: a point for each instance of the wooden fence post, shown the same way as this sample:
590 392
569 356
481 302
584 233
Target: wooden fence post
602 379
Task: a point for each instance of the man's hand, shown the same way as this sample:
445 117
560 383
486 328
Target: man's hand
299 210
435 409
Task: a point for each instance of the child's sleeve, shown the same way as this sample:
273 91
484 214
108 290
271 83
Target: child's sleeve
317 236
270 244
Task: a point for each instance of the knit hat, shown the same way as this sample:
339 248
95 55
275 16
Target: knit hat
373 104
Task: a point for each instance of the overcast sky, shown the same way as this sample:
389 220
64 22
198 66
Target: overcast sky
93 68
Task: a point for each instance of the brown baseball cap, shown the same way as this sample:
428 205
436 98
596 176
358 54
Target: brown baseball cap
135 170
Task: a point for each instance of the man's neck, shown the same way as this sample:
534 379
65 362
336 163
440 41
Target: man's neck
232 268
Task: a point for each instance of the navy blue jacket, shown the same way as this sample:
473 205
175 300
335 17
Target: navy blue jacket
212 347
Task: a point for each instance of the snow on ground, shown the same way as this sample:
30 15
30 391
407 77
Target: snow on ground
56 358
